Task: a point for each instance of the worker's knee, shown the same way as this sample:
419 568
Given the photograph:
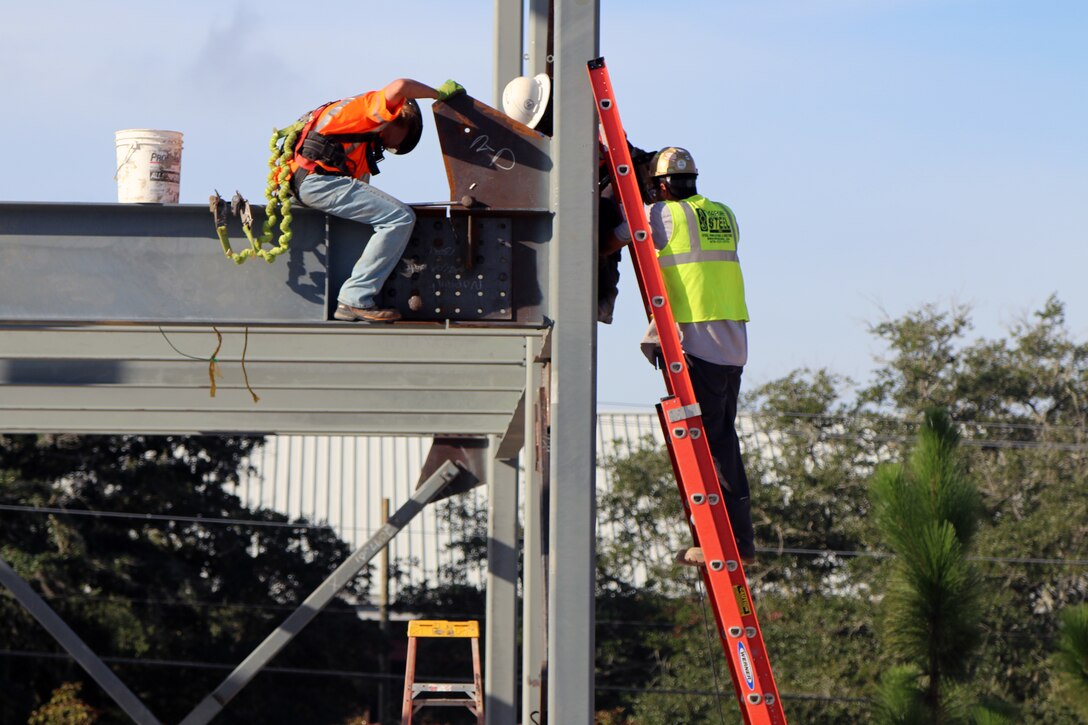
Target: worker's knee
406 216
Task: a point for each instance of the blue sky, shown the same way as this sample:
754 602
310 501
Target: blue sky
879 154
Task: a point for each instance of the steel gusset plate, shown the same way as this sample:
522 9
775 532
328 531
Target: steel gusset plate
498 162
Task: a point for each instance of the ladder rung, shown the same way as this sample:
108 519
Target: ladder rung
445 702
467 687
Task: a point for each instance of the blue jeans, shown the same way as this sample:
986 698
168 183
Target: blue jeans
391 219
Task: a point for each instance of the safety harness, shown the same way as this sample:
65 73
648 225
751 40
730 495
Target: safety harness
313 153
319 152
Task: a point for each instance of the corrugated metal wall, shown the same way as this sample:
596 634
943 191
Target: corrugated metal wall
341 481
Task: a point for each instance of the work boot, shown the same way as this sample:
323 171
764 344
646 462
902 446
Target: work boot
368 314
694 557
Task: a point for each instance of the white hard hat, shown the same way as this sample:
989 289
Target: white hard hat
526 98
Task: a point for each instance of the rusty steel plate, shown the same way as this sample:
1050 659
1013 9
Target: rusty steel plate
492 160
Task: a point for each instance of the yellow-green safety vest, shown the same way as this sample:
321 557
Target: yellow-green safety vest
699 263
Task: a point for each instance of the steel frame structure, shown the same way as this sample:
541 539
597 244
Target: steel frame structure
129 349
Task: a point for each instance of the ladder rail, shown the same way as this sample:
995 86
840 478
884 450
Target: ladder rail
696 478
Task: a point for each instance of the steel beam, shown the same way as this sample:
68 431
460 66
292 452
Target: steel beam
152 263
75 646
573 302
380 379
92 263
214 703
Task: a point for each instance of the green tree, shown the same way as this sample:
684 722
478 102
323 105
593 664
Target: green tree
928 513
183 588
808 481
1022 404
64 708
810 459
1071 659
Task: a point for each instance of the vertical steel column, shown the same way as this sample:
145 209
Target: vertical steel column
383 620
533 643
509 23
536 55
75 646
500 652
572 304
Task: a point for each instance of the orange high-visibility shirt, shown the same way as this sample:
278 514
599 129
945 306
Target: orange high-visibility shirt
358 114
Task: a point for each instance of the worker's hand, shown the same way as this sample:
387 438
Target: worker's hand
448 89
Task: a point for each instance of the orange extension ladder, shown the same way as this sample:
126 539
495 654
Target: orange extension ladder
723 575
416 693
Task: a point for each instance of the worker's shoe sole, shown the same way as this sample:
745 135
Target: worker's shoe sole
348 313
693 556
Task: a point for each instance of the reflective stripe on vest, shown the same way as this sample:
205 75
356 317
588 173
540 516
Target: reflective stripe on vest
700 265
332 112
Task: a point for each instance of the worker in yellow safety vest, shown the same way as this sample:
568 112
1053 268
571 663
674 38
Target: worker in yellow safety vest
696 239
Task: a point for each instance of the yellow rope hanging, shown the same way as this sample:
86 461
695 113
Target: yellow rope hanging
245 346
214 369
213 362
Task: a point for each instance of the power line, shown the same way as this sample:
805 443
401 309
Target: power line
916 422
972 442
125 515
889 555
358 674
709 693
162 517
648 410
210 520
207 665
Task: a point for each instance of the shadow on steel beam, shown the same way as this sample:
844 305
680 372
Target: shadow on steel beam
61 372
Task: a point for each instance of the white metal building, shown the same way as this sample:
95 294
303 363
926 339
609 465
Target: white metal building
341 481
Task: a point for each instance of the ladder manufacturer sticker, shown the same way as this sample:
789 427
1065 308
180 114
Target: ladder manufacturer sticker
743 604
746 666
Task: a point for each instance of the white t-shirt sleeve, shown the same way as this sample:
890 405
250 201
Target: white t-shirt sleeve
660 219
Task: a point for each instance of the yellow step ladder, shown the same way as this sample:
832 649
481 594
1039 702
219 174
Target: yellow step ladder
418 695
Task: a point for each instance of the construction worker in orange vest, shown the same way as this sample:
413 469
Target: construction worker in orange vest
337 152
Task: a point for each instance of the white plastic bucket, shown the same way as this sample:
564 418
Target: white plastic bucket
148 166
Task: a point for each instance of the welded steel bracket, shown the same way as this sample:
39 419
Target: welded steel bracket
492 161
469 452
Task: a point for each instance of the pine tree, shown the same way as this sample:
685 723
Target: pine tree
927 512
1071 660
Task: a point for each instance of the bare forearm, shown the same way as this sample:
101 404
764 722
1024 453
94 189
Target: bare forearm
403 88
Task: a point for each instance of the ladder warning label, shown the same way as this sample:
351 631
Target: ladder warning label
743 604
